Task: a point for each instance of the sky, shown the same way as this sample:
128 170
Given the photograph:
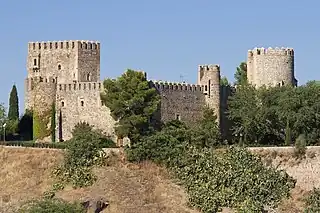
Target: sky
168 39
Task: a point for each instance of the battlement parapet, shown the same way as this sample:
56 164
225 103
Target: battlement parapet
72 44
176 86
94 86
271 51
209 67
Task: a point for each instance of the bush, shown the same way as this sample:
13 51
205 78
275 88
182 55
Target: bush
162 147
83 152
300 146
234 178
51 206
313 201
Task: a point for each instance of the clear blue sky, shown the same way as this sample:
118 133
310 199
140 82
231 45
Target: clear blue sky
166 38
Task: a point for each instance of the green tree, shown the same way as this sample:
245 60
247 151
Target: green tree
25 126
206 133
13 113
53 123
132 103
224 81
241 74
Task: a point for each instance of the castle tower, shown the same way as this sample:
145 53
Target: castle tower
209 79
52 63
271 67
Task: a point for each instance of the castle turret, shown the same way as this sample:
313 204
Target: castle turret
209 79
271 67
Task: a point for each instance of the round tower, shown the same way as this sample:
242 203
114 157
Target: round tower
209 79
271 67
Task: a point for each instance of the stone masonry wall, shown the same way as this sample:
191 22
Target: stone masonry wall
181 102
89 62
81 102
271 67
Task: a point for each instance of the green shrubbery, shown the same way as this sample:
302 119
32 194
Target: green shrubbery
232 178
313 201
51 206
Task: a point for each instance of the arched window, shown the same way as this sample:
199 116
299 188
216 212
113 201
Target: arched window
62 103
82 103
59 67
88 77
35 62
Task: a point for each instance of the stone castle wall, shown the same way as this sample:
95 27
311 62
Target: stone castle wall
68 73
80 102
183 102
271 67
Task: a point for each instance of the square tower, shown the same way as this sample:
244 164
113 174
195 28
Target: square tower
64 61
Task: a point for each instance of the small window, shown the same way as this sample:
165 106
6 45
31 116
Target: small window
59 67
35 62
178 117
88 77
82 103
206 88
62 103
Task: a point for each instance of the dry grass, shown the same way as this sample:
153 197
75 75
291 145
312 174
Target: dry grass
129 188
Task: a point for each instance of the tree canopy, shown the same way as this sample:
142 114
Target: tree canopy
241 74
13 113
132 103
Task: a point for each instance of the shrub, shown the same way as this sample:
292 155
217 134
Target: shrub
313 201
234 178
83 152
300 146
51 206
162 147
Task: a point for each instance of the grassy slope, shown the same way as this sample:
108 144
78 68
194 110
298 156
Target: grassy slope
24 174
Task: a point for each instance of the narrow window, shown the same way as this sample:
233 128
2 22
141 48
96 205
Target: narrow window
59 67
61 45
35 62
72 45
88 77
178 117
62 103
82 103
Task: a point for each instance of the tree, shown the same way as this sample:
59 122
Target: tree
207 132
26 126
224 81
241 74
13 113
132 103
2 117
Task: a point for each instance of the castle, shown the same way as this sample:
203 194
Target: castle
64 82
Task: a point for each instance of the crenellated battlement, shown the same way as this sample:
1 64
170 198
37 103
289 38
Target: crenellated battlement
94 86
209 67
271 51
176 86
72 44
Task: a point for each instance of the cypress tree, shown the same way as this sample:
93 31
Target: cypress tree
53 123
13 113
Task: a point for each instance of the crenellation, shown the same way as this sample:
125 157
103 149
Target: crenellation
81 86
271 51
71 44
174 86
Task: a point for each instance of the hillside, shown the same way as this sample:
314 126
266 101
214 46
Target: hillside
129 188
